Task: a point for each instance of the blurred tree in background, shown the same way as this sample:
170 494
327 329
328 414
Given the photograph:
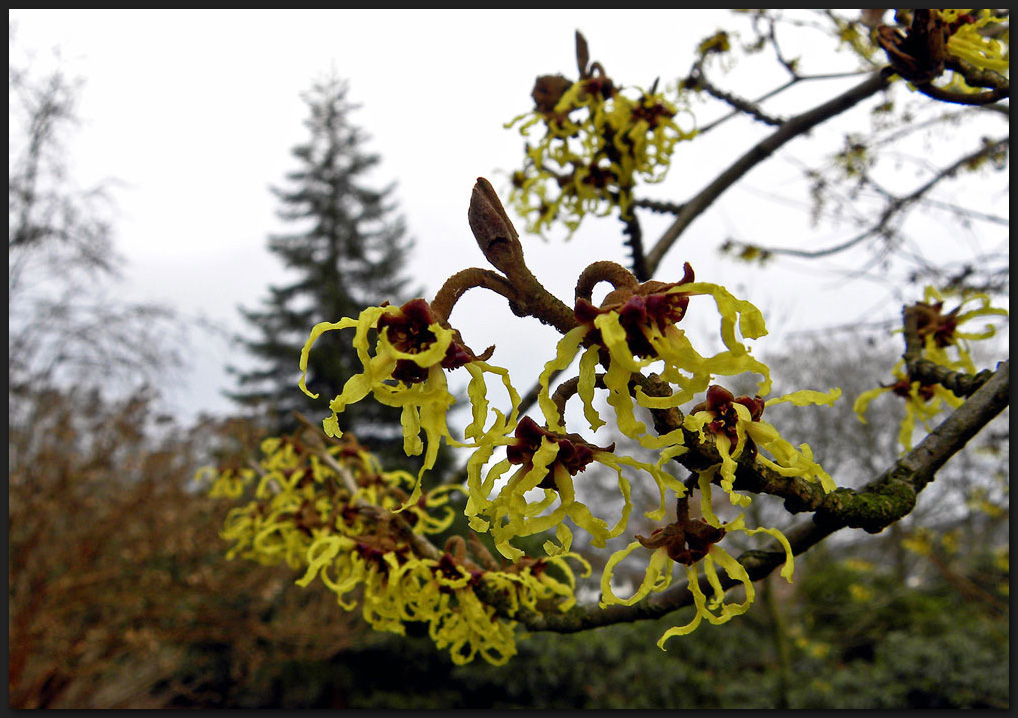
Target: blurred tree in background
119 595
349 251
66 324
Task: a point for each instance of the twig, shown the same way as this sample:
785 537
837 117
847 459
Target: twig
794 127
908 477
634 241
698 81
458 284
895 206
659 206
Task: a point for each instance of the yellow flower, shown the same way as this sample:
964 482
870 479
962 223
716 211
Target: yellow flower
336 562
228 483
738 429
970 42
412 352
717 43
943 342
548 463
468 627
645 135
301 497
597 143
398 587
923 403
637 327
530 580
692 543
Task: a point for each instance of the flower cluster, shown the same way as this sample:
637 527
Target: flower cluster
412 352
533 489
548 463
972 39
637 327
299 490
333 512
524 476
363 532
944 344
399 587
597 142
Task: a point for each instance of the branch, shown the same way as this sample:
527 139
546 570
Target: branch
500 243
698 81
798 125
896 205
457 285
889 497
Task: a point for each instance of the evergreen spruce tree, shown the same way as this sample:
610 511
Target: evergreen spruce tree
347 253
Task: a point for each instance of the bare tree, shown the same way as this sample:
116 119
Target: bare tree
66 322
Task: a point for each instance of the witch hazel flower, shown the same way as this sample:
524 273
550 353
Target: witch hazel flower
411 353
693 544
737 428
595 139
396 587
940 337
637 327
549 463
944 341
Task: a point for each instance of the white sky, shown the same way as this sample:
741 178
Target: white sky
194 113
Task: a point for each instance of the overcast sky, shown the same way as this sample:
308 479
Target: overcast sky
194 115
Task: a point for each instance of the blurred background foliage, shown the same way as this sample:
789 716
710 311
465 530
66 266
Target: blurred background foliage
120 596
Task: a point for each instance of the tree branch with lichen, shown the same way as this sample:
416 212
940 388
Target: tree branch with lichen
886 499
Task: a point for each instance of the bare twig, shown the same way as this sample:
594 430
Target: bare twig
794 127
698 81
896 205
458 284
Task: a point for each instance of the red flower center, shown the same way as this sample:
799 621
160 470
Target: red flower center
650 305
574 454
721 403
410 331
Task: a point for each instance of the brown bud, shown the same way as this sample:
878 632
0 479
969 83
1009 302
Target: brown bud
548 90
582 54
493 229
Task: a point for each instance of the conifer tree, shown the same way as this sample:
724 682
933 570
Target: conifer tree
347 252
